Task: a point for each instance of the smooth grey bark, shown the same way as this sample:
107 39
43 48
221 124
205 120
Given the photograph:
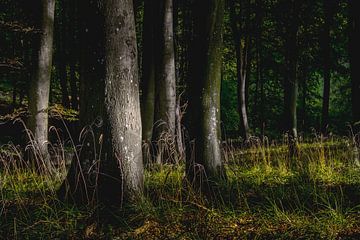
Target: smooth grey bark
203 116
40 84
148 72
109 165
122 157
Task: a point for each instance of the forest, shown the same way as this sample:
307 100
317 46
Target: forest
179 119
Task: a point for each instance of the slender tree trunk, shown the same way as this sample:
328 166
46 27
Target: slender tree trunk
165 100
62 48
73 86
291 78
148 72
203 123
259 68
242 43
73 58
327 61
354 63
40 84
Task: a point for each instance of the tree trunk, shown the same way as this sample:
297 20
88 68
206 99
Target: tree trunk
40 84
259 67
203 123
73 87
354 62
329 6
291 78
74 46
80 185
148 72
122 158
241 42
165 89
110 162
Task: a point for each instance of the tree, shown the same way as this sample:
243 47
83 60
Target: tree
40 84
110 164
203 116
148 71
329 7
240 29
291 77
165 87
354 63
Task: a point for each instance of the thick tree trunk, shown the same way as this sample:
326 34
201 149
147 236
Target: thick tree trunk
354 62
148 72
40 84
110 162
122 158
329 6
203 123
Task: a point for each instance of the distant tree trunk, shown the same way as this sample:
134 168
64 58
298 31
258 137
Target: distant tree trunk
242 44
61 52
82 178
354 62
165 89
73 87
291 78
203 123
259 67
148 71
40 84
74 46
329 6
110 162
304 77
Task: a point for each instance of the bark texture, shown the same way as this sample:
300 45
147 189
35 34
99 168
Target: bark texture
109 164
122 156
40 84
203 116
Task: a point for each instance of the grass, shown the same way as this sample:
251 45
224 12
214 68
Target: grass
262 199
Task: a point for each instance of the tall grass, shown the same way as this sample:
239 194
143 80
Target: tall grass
263 198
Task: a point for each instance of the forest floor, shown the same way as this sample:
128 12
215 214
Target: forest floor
261 199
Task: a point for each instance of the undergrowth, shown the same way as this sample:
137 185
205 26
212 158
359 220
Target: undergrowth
263 198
